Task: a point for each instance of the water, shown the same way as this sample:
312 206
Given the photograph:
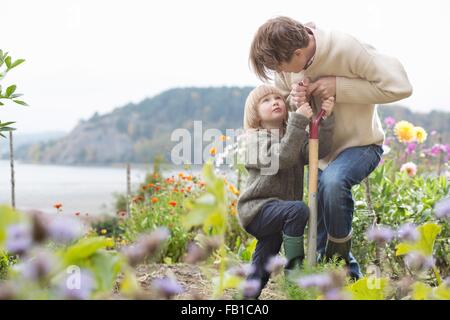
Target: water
78 189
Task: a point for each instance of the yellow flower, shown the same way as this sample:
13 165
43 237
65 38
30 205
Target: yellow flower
404 131
421 134
233 189
103 231
213 151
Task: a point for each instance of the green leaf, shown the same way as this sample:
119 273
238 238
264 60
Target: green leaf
421 291
8 62
368 288
85 248
17 62
23 103
10 90
7 217
106 266
425 243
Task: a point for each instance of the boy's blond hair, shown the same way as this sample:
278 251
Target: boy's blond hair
274 43
251 116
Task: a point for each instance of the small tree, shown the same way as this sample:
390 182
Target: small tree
6 64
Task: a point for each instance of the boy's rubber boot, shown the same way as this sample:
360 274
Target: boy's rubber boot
340 249
294 251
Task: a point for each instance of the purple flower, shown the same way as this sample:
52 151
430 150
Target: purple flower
276 264
411 148
251 288
320 281
38 267
167 287
389 122
442 209
195 254
78 285
335 294
380 235
18 239
408 232
65 230
417 261
242 270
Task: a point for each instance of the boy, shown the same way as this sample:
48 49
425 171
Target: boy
358 77
270 207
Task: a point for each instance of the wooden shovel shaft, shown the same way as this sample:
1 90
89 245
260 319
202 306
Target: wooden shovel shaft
312 200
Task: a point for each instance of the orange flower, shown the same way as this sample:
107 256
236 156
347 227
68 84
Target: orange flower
57 205
224 138
189 189
137 198
175 190
181 175
150 185
201 183
189 177
170 180
154 200
213 151
172 203
158 188
182 190
144 188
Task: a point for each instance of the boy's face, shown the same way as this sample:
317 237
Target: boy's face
272 110
296 64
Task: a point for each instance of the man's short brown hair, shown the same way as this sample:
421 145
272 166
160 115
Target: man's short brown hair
274 43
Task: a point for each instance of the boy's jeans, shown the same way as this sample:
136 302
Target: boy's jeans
335 207
275 218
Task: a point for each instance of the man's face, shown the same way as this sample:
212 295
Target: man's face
296 64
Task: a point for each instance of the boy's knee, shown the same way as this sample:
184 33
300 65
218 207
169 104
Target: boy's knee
299 211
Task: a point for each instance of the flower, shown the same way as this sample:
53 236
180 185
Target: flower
242 270
380 235
38 267
442 208
172 203
213 151
224 138
146 245
65 229
154 200
411 148
276 264
417 261
137 198
421 134
57 205
389 122
321 281
251 288
103 231
167 287
18 239
435 150
77 285
404 131
408 232
410 168
233 189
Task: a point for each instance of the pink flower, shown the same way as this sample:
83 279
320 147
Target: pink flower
410 168
389 122
411 148
435 150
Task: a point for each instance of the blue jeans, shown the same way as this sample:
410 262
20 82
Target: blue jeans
275 218
335 201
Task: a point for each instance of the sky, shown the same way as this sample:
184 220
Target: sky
88 56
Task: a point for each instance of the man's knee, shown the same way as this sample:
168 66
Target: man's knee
299 211
333 183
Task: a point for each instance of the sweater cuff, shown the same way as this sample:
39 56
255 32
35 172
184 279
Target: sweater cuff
298 120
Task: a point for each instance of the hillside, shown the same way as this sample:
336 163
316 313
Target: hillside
138 132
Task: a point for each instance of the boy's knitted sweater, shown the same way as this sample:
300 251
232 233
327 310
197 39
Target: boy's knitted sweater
291 151
364 77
